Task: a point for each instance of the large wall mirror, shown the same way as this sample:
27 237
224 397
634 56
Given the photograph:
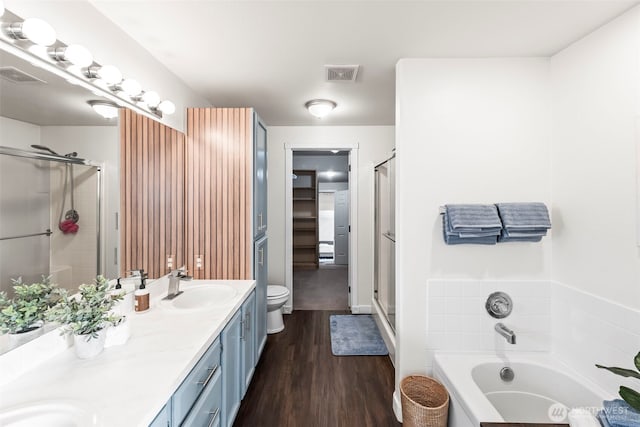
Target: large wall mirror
59 181
81 194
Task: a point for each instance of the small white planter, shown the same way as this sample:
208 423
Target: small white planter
16 340
87 349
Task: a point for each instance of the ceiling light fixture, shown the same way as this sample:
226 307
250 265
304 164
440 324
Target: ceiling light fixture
335 151
106 109
35 30
107 73
35 41
75 54
320 107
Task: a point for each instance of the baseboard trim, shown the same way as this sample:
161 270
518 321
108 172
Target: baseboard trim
361 309
397 406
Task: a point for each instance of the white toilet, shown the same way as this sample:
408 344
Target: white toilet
276 297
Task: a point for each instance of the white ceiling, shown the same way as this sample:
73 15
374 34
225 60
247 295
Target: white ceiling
270 54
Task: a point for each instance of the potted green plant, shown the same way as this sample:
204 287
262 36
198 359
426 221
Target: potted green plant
87 315
23 315
629 395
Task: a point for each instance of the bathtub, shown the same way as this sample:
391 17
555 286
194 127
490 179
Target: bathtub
542 390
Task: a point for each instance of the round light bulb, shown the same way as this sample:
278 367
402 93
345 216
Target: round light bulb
151 98
110 75
37 31
167 107
78 55
131 87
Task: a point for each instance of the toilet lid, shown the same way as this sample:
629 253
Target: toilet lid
276 291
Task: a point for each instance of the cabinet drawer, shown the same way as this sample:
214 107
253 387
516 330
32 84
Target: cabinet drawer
208 408
200 377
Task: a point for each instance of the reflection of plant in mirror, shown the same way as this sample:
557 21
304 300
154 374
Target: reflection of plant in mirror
87 312
27 308
629 395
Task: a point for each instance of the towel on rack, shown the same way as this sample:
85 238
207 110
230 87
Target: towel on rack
524 215
523 222
473 217
474 224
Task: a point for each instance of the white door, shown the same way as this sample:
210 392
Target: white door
341 224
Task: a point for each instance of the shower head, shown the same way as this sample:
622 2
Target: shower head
42 147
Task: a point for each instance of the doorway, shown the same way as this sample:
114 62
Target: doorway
327 283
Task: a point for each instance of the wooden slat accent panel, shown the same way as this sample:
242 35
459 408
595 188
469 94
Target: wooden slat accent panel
152 198
219 159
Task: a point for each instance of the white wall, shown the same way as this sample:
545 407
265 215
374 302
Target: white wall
467 131
595 108
78 21
100 144
375 144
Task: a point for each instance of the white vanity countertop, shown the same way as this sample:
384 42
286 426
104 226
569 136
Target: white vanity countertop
128 385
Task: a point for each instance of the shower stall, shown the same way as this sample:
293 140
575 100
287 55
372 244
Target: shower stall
384 290
50 216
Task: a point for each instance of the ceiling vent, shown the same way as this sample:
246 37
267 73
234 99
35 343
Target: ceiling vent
342 73
15 75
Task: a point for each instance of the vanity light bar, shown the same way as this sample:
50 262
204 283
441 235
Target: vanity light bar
75 64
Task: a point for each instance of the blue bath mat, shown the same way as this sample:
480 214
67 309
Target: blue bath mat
356 335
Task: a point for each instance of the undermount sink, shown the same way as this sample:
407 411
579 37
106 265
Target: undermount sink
203 296
50 414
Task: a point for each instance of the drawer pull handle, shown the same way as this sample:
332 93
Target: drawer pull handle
214 416
212 372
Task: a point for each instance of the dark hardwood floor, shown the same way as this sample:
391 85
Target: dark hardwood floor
299 383
325 288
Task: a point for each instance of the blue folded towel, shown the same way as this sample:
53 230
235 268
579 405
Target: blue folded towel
503 238
523 222
524 233
619 414
603 419
524 215
477 237
473 217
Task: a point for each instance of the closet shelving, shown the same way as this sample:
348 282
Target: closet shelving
305 220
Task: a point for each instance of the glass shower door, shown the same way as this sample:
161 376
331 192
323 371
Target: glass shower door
384 280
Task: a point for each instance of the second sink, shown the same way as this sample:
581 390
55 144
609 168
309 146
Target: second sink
203 296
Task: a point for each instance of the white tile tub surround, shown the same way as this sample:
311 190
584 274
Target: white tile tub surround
457 320
587 329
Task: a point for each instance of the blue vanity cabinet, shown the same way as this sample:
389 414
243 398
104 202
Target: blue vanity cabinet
163 418
259 177
260 274
210 395
248 342
196 388
231 366
207 411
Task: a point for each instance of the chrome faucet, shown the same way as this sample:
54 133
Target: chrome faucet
506 332
174 283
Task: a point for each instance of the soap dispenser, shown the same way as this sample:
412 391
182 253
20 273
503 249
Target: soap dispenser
142 295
